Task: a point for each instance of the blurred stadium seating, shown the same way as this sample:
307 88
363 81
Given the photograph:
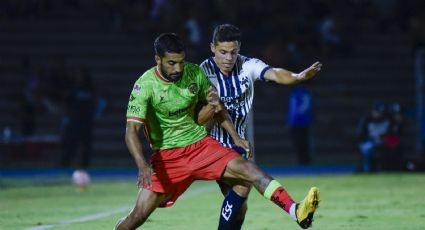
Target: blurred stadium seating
378 66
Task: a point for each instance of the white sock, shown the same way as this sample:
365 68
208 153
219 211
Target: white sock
292 211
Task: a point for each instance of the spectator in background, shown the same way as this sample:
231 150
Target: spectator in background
392 155
398 119
80 111
299 121
373 128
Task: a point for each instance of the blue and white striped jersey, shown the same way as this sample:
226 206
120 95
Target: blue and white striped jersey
236 91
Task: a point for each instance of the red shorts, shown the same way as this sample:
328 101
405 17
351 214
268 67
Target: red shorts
176 169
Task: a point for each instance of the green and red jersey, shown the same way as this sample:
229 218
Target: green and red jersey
168 108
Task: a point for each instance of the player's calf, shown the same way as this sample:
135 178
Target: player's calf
230 211
233 210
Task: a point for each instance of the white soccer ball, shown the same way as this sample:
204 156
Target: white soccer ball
80 178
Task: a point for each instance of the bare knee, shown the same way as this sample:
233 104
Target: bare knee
242 189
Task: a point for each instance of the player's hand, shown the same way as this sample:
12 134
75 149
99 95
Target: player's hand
144 177
309 72
250 153
212 97
242 143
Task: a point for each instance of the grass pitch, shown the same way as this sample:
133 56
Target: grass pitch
376 201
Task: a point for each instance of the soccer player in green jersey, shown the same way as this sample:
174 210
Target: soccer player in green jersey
163 104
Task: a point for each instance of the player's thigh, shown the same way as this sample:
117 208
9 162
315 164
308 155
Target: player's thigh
241 169
147 202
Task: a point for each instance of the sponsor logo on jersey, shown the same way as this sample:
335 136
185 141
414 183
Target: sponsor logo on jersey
232 103
235 106
226 99
133 109
177 112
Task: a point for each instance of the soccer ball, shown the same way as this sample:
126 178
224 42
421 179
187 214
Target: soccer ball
81 179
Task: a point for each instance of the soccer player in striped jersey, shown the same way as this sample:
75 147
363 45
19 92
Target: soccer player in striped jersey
233 76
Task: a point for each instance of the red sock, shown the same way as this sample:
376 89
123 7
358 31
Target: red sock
282 199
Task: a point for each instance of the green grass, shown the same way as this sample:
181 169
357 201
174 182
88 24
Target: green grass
382 201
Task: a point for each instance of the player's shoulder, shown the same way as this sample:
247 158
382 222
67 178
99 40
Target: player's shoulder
243 59
193 71
208 66
206 63
148 76
249 60
252 65
191 67
146 79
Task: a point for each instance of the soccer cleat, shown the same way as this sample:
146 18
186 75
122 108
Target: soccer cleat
306 208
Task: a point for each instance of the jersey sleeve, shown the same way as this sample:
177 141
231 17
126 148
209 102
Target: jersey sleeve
138 103
256 68
204 84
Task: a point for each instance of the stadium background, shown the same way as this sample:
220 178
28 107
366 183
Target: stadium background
112 39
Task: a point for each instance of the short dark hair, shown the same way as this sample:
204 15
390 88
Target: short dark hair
168 42
226 33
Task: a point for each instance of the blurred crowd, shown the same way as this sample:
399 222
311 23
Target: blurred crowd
282 32
68 94
297 27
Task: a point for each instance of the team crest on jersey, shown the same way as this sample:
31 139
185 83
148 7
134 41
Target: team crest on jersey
193 88
244 81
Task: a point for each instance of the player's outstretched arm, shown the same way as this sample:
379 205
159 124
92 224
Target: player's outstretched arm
286 77
134 145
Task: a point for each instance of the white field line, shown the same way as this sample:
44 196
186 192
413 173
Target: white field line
100 215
